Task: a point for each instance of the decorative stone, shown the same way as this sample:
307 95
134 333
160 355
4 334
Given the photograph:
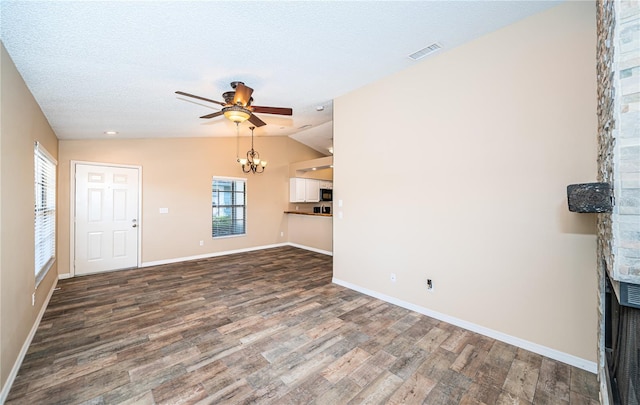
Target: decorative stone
589 197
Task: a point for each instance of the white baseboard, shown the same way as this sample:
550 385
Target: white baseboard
324 252
25 347
512 340
208 255
230 252
64 276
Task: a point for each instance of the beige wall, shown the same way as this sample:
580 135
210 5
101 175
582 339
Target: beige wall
176 174
474 197
301 169
310 231
22 124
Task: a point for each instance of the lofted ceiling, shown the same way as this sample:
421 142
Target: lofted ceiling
98 66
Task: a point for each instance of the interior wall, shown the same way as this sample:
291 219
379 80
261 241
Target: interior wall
305 168
311 231
474 197
22 124
177 174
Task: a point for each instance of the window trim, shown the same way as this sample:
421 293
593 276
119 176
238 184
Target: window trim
42 157
246 199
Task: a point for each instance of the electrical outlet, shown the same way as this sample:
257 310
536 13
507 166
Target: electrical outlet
429 284
33 299
281 234
393 277
201 243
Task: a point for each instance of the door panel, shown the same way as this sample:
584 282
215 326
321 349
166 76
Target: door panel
119 243
94 245
106 218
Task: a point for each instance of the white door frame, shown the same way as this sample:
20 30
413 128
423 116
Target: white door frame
72 209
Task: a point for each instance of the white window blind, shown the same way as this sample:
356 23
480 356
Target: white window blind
45 210
229 197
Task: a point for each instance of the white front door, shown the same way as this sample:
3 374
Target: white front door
106 218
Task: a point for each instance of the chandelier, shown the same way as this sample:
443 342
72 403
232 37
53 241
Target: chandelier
253 163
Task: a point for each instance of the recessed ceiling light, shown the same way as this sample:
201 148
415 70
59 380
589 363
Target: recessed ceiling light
315 168
111 132
320 108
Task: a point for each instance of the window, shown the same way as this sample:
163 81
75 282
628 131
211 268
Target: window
45 211
229 204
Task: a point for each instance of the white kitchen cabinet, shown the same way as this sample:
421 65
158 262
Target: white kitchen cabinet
304 190
297 190
312 190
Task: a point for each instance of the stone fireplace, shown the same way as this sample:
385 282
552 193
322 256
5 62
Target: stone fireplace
618 67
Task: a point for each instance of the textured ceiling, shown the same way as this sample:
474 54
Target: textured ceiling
95 66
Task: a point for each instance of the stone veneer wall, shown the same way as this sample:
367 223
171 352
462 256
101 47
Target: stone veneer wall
618 70
618 67
605 16
605 19
626 216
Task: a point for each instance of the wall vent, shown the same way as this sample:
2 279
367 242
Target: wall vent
425 51
630 295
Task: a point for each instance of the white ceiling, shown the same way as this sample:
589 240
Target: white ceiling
115 65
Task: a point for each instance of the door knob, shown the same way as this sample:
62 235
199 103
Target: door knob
134 225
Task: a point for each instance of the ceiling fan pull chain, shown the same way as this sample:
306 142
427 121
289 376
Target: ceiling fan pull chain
237 142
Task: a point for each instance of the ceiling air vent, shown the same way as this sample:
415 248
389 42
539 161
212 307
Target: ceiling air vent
425 51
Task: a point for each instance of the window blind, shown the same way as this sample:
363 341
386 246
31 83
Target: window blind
229 207
45 210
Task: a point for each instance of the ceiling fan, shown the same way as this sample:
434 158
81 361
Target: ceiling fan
237 105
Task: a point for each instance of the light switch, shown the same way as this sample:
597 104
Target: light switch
164 210
339 203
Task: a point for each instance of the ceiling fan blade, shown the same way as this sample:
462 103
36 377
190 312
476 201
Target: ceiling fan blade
212 115
182 93
256 121
272 110
243 94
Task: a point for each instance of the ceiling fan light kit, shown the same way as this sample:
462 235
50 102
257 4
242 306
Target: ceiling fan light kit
236 113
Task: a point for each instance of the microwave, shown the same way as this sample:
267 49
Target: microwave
326 194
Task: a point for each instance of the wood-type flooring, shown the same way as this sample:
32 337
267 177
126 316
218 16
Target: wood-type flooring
267 327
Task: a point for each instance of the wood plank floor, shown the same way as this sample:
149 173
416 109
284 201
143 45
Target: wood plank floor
267 327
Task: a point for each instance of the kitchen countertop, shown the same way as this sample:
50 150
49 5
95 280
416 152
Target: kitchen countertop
308 213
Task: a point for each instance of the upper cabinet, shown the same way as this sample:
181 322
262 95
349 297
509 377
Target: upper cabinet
312 190
304 190
297 190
